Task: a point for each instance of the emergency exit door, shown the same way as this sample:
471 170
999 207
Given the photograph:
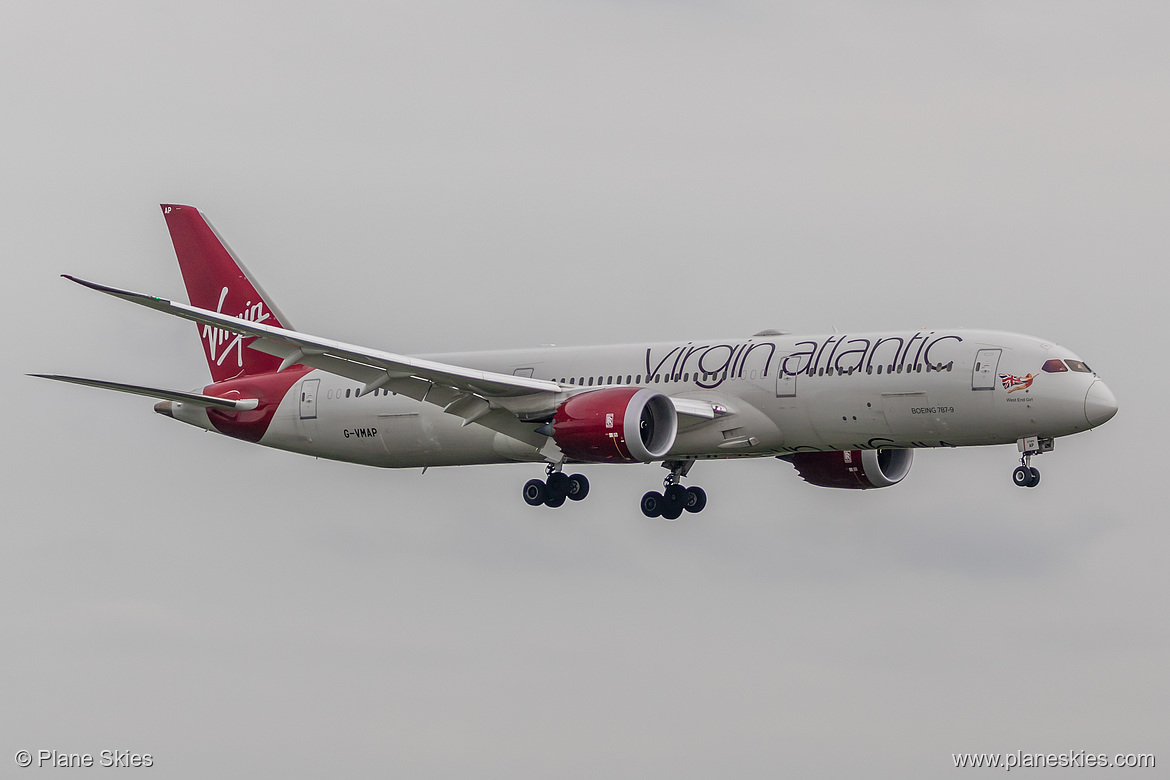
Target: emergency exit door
786 373
785 383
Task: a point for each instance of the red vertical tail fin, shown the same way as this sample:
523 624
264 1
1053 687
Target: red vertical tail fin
217 280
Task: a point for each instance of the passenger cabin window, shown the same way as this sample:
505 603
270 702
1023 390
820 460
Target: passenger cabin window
1054 366
1078 366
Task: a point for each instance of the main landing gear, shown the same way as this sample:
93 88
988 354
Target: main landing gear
1025 474
674 498
556 489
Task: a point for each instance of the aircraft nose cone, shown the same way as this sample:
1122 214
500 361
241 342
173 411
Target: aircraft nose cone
1100 405
165 407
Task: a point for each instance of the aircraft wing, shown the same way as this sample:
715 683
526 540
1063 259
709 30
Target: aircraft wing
473 395
370 364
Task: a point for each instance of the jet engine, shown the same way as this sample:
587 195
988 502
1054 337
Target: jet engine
616 425
854 469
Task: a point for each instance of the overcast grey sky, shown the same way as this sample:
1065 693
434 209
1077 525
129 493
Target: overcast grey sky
423 177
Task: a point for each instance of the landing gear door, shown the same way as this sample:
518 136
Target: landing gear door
309 399
983 373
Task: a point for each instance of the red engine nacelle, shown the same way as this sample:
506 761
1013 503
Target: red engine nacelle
856 469
616 425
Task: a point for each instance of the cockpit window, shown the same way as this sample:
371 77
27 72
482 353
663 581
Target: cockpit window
1054 366
1079 367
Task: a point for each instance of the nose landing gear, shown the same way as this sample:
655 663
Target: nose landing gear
674 498
556 489
1025 474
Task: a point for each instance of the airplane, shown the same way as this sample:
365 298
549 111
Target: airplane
846 410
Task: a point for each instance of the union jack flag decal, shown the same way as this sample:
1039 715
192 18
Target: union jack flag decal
1011 382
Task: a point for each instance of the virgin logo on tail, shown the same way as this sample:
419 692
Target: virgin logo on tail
225 341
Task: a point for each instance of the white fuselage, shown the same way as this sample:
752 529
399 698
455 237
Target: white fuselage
777 395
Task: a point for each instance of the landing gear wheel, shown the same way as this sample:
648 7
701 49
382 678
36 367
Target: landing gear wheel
675 497
672 513
1022 476
1034 474
554 499
578 487
535 492
652 504
696 499
558 485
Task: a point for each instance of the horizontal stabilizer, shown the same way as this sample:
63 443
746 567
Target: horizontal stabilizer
195 399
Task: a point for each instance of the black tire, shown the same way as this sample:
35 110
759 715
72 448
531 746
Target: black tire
554 500
1035 477
558 485
672 513
1022 476
535 492
578 487
652 504
696 499
674 497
